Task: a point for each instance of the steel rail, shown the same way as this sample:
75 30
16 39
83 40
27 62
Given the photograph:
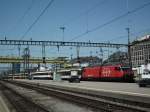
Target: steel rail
103 103
19 102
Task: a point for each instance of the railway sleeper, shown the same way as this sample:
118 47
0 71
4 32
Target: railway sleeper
88 93
20 102
92 101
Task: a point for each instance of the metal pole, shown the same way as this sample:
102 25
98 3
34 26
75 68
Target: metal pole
78 52
24 61
44 54
63 30
78 55
108 53
19 48
12 71
28 56
129 47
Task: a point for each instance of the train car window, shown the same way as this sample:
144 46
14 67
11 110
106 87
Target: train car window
117 68
125 68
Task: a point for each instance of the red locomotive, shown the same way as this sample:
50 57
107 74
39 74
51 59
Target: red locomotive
113 72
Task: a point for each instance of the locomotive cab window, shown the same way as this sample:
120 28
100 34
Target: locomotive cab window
117 68
125 68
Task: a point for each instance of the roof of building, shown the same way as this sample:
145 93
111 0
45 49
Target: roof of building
142 39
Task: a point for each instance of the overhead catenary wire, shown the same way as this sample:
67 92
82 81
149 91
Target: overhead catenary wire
36 20
22 18
24 14
141 32
111 21
86 12
27 11
131 34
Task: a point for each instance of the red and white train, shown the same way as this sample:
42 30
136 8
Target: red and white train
108 72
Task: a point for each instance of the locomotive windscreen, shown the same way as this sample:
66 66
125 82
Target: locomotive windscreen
125 68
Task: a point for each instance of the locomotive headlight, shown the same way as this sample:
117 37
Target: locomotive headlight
74 73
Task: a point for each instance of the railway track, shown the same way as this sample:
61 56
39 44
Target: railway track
19 102
98 102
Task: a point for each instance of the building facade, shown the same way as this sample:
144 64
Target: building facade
140 51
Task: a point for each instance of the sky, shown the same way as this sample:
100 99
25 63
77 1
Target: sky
78 17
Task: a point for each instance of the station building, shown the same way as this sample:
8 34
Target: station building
140 51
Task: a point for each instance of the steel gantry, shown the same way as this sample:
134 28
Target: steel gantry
50 43
34 60
60 43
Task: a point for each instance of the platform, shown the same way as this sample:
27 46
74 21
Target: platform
3 105
115 87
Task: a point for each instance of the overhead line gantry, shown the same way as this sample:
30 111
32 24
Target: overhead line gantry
60 43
